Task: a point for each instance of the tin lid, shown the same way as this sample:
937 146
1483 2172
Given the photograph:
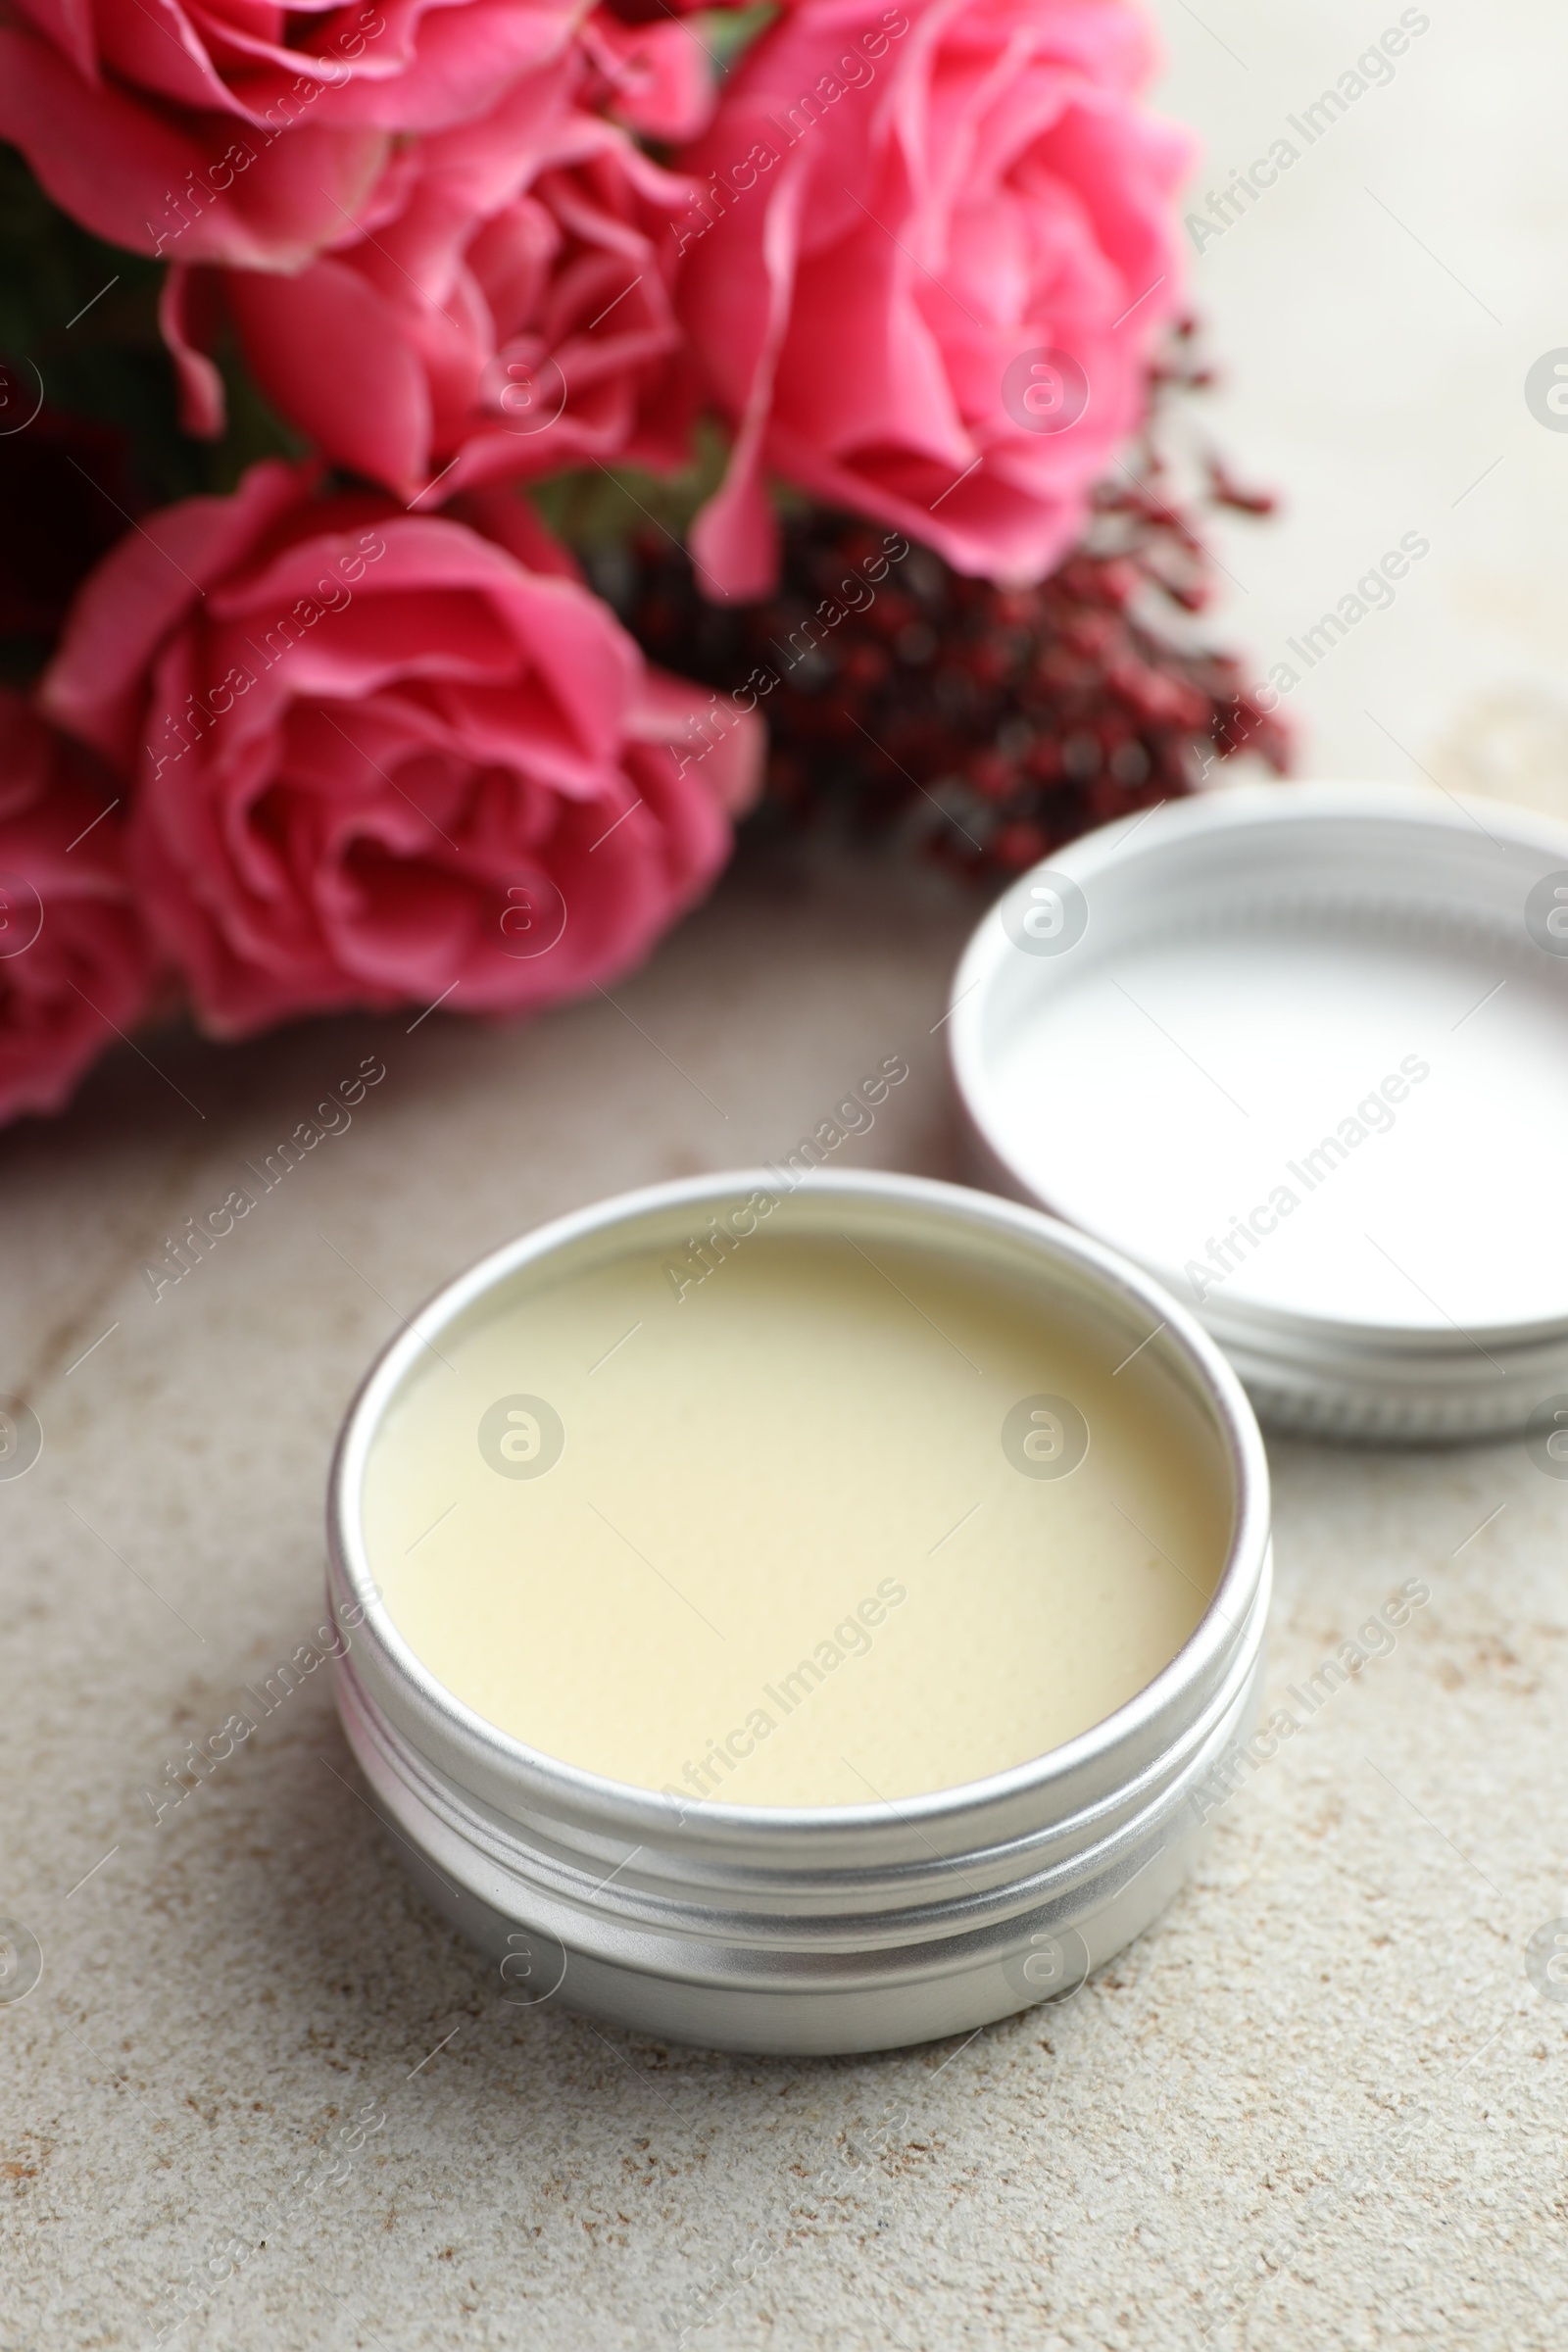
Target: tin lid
1302 1051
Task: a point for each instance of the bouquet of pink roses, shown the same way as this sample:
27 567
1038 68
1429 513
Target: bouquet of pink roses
484 307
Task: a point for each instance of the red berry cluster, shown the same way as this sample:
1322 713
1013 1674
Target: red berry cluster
995 722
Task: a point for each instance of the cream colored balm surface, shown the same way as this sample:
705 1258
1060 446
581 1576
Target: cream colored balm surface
837 1525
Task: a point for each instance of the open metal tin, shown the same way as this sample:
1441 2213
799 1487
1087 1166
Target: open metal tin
834 1929
1302 1051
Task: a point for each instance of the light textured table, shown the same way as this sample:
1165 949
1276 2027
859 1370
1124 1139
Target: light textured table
1375 312
1322 2103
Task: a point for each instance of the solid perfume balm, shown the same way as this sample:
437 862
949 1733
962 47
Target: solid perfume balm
835 1524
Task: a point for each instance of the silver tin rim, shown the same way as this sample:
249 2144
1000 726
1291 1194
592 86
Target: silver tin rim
1330 1377
843 1928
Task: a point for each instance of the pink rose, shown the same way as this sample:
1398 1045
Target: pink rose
158 125
382 760
75 963
656 78
941 237
508 309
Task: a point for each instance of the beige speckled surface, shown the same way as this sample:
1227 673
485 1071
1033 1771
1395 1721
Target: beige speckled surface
1375 312
1322 2104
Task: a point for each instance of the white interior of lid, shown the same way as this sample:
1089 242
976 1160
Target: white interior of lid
1181 1069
